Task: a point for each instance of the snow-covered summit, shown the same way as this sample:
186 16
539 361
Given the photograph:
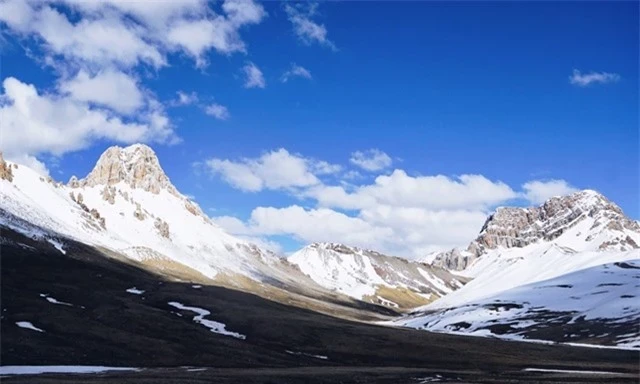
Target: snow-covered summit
128 205
595 223
136 165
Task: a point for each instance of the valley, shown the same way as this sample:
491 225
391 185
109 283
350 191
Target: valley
119 269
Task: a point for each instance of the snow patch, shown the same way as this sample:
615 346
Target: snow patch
570 371
28 325
214 326
322 357
54 301
39 369
135 291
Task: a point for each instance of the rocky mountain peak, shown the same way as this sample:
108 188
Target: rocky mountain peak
510 227
136 165
342 248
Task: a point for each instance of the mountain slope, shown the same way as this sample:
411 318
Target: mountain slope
95 310
596 305
128 206
567 238
374 277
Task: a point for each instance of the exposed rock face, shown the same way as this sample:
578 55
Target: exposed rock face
109 194
162 227
73 182
519 227
136 165
138 214
5 170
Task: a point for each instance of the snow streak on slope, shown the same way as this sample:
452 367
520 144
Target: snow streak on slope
596 304
371 276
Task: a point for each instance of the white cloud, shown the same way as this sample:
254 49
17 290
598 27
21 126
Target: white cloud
218 111
96 49
295 71
397 213
273 170
253 76
371 160
184 98
109 88
129 33
33 123
537 192
308 31
585 79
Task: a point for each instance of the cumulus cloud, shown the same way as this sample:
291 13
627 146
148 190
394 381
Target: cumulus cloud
108 88
537 192
295 71
127 33
371 160
218 111
398 214
253 76
34 123
305 28
273 170
95 49
585 79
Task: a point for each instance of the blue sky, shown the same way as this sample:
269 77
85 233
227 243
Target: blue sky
537 94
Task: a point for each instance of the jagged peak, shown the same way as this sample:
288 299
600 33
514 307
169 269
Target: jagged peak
136 165
517 227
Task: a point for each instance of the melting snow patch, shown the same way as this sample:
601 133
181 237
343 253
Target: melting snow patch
569 371
54 301
57 245
307 354
214 326
38 369
28 325
196 286
135 291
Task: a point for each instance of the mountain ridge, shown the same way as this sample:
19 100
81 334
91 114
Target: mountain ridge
514 227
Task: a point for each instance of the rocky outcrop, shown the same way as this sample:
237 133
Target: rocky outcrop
162 227
5 170
519 227
138 214
136 165
109 194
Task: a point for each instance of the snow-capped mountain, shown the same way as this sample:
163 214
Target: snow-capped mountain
128 206
595 223
371 276
579 236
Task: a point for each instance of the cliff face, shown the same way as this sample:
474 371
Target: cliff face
608 227
136 165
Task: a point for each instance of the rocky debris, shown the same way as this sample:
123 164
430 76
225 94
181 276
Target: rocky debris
162 227
138 214
519 227
109 194
5 170
136 165
80 198
124 194
73 182
96 215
